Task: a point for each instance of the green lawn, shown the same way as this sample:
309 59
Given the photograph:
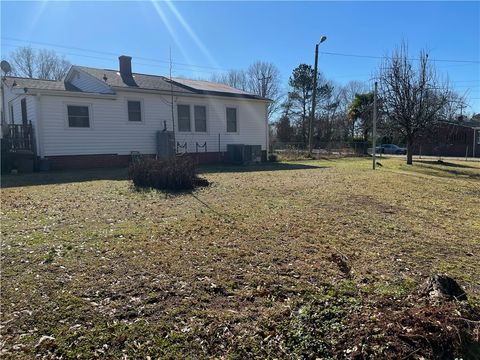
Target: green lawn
308 259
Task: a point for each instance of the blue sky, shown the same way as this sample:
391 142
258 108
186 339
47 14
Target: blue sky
207 37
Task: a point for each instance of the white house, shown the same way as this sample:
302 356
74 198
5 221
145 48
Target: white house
98 117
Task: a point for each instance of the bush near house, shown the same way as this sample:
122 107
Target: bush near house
175 174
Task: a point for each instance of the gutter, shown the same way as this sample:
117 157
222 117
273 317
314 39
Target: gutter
32 91
198 93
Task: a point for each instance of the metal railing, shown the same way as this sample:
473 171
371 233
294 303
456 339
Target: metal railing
19 137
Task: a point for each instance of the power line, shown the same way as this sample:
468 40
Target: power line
110 59
389 57
188 67
457 81
109 53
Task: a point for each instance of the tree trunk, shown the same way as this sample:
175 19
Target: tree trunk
409 151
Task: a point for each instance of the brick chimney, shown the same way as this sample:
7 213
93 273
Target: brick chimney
125 63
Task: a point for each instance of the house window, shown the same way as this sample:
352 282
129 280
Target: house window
134 111
200 113
78 116
24 111
231 120
183 117
12 118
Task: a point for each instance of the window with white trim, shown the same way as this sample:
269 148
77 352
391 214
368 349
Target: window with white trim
134 110
231 120
200 114
78 116
183 117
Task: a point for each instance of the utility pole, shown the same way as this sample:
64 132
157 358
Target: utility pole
374 127
314 96
263 90
171 93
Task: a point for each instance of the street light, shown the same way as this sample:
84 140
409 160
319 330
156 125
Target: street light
314 95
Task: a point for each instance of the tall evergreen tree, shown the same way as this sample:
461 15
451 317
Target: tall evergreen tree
360 114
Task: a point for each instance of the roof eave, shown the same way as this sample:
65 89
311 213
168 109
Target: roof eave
197 93
33 91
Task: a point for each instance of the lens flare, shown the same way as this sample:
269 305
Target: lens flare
191 33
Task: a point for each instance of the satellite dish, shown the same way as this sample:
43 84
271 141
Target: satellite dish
6 68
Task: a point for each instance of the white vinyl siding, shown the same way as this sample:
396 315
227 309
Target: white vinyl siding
251 125
15 108
88 83
112 133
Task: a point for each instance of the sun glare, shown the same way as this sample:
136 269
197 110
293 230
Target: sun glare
170 29
186 27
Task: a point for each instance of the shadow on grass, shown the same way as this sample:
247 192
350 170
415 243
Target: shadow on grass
446 163
280 166
443 169
470 175
63 177
117 174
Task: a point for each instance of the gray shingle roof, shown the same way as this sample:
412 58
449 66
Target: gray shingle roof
162 83
139 81
209 86
40 84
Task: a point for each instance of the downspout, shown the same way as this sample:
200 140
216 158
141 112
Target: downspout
38 130
3 103
474 141
266 131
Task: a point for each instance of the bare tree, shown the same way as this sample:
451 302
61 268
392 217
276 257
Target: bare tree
234 78
51 66
261 78
342 125
264 80
453 111
42 64
412 97
23 62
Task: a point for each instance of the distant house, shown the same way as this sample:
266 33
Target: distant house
451 138
98 117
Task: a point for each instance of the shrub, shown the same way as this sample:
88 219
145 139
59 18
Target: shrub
175 174
272 157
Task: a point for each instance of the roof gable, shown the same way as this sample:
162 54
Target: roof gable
86 82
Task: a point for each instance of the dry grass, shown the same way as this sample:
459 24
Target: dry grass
228 270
